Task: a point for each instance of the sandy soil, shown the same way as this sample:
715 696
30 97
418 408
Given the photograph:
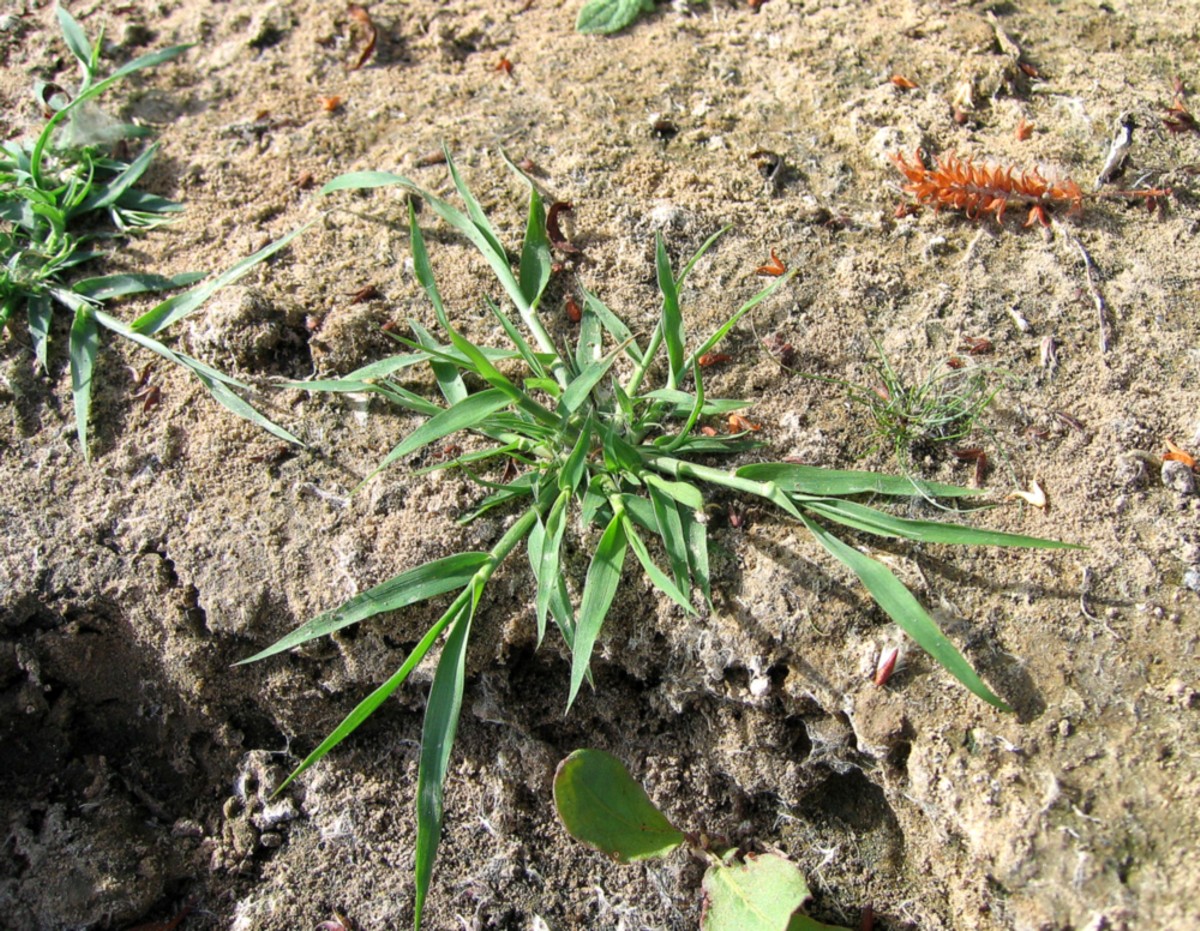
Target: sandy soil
137 764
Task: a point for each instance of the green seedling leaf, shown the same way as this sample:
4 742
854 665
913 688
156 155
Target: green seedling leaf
903 608
602 805
605 16
672 318
85 341
868 519
76 39
604 574
614 324
535 251
685 493
729 324
177 307
437 740
467 413
107 287
657 576
408 588
670 530
760 894
580 388
812 480
38 311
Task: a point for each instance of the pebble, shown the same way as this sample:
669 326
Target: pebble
1178 477
1191 579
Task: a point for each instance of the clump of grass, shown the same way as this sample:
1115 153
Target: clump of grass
617 447
66 191
913 415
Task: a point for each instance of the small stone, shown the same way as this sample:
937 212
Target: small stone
1131 472
1179 477
1064 728
271 839
1191 579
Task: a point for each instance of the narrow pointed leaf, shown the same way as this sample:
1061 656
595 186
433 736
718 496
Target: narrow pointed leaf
85 341
729 324
464 415
38 310
535 252
602 805
75 37
903 608
813 480
177 307
408 588
880 523
615 326
603 577
660 579
107 287
670 530
437 740
672 318
696 535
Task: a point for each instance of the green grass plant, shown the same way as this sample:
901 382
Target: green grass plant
605 435
911 414
66 191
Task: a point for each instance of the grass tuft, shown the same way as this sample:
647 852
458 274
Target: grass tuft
588 442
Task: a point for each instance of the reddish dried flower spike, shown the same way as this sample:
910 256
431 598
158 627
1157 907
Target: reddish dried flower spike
1024 130
981 189
713 358
775 268
903 83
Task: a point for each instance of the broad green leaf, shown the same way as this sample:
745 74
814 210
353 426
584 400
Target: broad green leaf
589 343
464 415
602 805
408 588
112 191
880 523
177 307
760 894
604 16
683 402
85 341
449 380
358 180
813 480
672 318
902 607
575 467
107 287
437 740
604 574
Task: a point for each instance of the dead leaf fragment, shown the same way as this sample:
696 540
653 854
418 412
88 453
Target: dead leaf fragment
1176 454
1034 496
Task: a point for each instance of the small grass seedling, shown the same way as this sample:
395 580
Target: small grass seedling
602 805
55 193
594 446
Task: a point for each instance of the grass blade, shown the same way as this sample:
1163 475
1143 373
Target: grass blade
107 287
38 310
604 574
614 324
883 524
903 608
660 579
580 388
416 585
467 413
695 534
450 383
670 529
741 312
365 708
177 307
437 740
708 244
534 273
76 39
812 480
85 341
672 317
